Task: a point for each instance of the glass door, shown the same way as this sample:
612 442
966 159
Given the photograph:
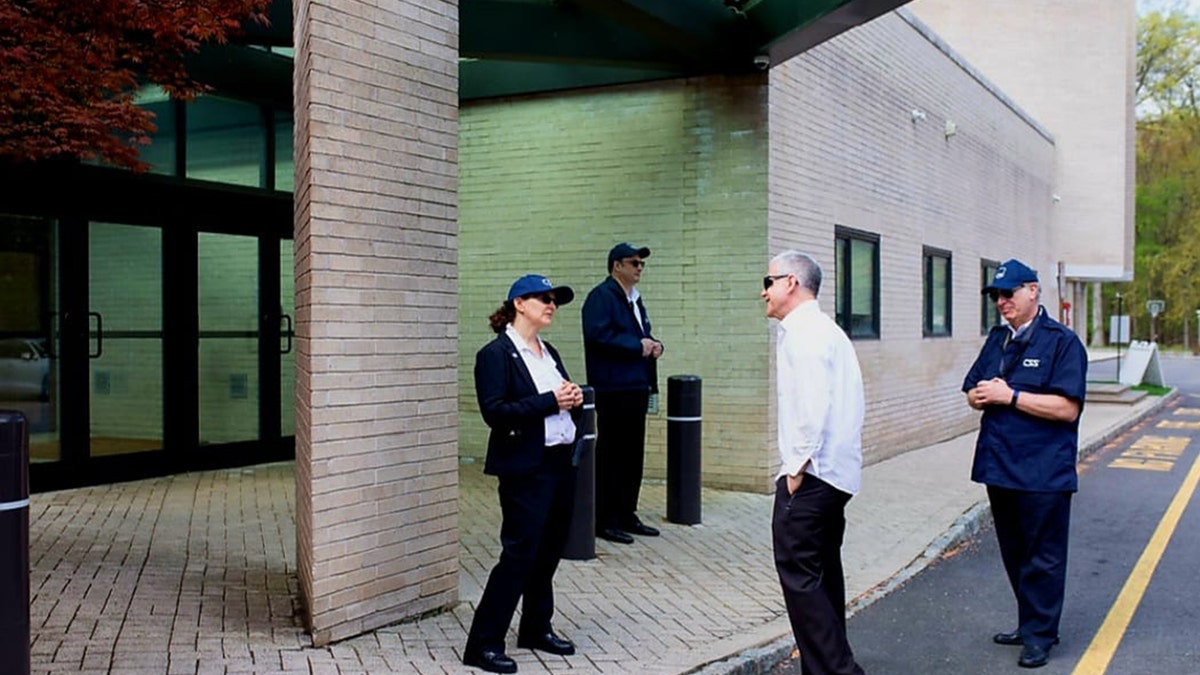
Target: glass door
228 368
146 327
29 368
125 339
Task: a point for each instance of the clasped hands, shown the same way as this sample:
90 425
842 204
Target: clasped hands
989 392
568 395
651 348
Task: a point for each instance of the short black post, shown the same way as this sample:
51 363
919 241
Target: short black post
683 449
581 540
14 543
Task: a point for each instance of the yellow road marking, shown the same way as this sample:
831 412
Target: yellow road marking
1100 652
1142 464
1187 411
1169 424
1151 453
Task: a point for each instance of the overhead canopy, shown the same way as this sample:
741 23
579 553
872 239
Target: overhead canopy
510 47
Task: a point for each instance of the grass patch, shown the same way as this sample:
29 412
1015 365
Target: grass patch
1151 389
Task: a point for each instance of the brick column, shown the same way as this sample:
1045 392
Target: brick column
376 113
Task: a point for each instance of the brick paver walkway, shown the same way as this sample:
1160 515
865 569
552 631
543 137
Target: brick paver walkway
196 574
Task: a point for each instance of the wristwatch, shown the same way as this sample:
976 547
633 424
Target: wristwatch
1013 402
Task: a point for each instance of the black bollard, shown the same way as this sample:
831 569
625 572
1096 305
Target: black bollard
581 539
683 449
14 543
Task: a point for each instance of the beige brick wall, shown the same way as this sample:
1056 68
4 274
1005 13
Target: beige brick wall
846 151
549 184
376 268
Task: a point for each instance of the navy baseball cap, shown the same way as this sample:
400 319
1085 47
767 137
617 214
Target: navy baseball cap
533 284
626 250
1010 275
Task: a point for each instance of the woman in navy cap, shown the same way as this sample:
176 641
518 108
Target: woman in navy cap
532 408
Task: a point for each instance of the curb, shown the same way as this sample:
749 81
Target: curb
760 660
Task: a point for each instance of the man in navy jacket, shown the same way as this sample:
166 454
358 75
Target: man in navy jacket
1029 381
622 357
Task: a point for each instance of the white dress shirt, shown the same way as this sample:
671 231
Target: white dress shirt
633 296
821 403
560 428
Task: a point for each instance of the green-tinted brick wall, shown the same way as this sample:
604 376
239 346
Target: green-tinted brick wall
549 184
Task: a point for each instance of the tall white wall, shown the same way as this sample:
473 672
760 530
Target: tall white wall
1071 64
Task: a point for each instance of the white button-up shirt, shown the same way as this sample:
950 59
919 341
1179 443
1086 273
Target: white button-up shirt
821 403
560 428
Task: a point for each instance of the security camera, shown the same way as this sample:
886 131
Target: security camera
762 62
1056 198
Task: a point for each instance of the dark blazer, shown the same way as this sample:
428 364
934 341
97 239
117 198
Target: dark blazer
612 341
513 409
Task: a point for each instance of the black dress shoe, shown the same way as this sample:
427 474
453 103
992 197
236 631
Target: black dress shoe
1033 656
549 643
490 660
1013 638
640 528
613 534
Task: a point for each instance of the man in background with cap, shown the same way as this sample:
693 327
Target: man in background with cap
1029 380
622 358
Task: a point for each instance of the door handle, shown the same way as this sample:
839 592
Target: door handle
287 333
99 335
53 337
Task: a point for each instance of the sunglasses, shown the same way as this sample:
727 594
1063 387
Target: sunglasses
544 298
636 263
1006 293
769 280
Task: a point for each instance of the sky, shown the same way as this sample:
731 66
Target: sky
1190 6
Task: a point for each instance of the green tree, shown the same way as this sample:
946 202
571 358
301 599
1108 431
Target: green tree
1168 62
1167 221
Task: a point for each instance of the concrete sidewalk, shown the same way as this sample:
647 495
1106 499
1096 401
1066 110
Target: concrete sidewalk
196 574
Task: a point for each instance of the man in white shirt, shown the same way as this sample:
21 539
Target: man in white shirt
820 415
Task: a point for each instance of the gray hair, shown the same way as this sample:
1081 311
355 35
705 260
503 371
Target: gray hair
802 266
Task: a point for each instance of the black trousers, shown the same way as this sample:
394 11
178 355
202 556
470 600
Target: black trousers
536 509
807 528
620 455
1032 529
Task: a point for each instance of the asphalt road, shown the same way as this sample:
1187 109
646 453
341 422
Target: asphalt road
1133 571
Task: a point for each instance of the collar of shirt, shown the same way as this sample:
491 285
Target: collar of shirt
1015 332
520 343
798 314
633 295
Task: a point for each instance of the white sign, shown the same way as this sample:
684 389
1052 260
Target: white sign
1118 330
1155 307
1140 364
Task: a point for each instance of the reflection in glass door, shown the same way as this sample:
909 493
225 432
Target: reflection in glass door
125 333
228 360
28 304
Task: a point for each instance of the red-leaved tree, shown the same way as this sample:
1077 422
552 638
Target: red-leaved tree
69 70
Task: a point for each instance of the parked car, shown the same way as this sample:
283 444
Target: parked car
24 370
